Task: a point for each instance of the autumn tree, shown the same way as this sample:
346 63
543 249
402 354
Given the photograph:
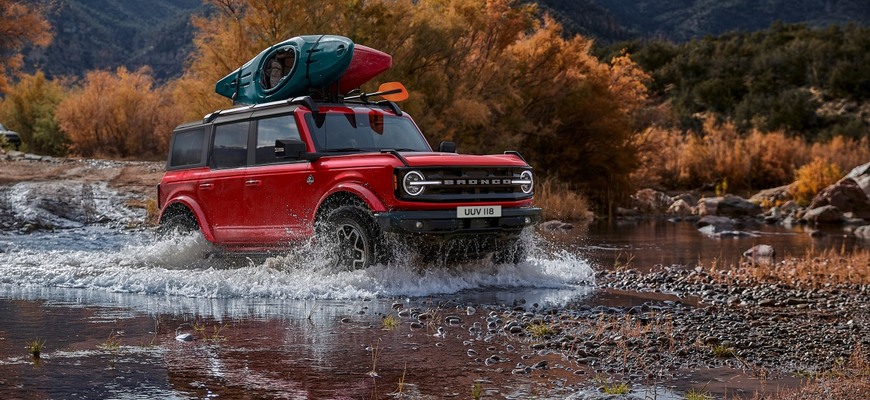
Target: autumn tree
22 23
29 109
119 114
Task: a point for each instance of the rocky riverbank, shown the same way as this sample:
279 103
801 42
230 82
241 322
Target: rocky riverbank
45 193
845 203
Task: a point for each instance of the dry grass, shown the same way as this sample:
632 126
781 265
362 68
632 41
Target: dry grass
559 202
846 382
827 267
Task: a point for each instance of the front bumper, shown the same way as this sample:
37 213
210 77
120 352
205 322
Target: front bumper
445 222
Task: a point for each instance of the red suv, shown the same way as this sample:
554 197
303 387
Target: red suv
263 177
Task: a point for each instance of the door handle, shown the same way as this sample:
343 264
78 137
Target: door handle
206 186
253 182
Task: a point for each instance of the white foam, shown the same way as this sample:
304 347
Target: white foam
175 266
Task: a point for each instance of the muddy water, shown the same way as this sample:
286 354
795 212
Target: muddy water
109 305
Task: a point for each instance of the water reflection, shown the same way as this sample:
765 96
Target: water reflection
646 243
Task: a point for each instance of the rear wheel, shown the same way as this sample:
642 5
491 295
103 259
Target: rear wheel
353 235
177 223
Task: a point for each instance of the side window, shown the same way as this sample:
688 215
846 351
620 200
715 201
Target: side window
271 129
230 148
187 148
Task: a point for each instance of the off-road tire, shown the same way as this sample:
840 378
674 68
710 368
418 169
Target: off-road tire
351 229
177 223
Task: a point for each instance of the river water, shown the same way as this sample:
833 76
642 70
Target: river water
109 302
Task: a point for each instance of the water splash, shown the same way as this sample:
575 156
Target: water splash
137 262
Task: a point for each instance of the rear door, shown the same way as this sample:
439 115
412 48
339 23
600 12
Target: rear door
222 192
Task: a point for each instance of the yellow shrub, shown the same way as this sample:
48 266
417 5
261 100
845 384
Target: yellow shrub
814 177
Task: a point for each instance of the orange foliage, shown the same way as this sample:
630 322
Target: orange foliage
671 159
22 23
118 115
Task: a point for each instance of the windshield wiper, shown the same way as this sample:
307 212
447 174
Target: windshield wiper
343 150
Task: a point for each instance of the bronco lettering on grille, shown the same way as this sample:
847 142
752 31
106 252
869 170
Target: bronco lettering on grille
452 182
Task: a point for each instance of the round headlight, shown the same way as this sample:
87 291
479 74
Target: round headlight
413 183
527 187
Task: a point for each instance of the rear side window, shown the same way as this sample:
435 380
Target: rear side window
271 129
187 148
230 148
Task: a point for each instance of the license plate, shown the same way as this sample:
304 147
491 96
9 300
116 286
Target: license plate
478 212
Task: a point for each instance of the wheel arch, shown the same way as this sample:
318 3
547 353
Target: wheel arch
349 193
187 206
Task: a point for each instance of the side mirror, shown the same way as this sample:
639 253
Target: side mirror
290 148
447 147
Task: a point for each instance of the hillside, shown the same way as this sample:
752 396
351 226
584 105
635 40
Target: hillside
103 34
682 20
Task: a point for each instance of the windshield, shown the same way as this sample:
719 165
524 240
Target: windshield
372 131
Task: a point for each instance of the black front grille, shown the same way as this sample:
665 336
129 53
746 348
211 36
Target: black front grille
467 184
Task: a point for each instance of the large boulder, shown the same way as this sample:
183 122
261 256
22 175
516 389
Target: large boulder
823 215
847 196
651 201
728 206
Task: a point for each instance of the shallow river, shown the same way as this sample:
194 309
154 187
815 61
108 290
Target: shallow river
109 304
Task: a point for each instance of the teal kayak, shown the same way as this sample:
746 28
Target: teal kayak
288 69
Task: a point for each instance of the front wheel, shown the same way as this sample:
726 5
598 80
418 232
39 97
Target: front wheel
352 232
511 253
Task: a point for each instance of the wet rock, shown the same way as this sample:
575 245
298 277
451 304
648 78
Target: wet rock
761 254
541 365
184 337
719 223
556 226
